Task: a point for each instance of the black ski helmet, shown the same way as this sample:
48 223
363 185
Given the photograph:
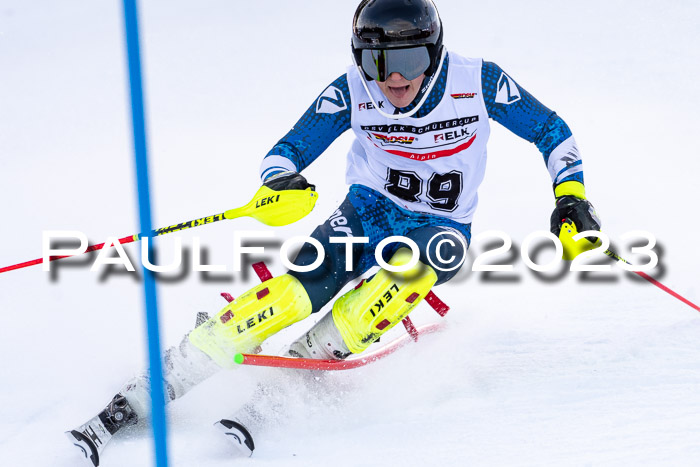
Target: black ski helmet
397 24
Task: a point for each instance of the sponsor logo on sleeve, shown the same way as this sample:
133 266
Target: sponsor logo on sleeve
569 159
571 156
330 101
506 90
463 95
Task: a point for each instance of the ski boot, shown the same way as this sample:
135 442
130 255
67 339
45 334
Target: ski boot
93 436
323 341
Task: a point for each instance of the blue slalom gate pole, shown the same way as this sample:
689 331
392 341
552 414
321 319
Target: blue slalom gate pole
149 285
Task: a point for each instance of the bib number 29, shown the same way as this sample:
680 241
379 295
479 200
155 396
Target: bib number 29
443 190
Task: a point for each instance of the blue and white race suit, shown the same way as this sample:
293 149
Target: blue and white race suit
413 176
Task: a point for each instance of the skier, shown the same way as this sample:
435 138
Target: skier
420 117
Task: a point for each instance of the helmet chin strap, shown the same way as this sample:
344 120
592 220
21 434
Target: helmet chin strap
431 83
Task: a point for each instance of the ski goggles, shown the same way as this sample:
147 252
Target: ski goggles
409 63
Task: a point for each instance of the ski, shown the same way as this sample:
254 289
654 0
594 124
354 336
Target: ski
331 365
91 438
89 442
238 435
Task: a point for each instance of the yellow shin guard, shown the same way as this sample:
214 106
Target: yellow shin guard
253 317
364 314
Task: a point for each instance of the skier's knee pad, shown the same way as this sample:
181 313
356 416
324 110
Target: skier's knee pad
253 317
364 314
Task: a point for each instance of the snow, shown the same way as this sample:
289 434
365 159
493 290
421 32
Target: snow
566 371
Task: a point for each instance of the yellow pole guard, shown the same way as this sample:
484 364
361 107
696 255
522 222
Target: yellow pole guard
574 248
277 208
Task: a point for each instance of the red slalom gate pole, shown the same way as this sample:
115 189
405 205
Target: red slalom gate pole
99 246
653 281
667 290
129 239
330 365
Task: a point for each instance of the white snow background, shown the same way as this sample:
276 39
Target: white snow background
529 372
